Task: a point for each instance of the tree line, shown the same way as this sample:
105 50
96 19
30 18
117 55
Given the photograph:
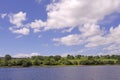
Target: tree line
8 61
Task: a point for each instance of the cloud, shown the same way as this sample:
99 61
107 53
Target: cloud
17 19
19 36
96 41
113 47
37 25
69 40
3 15
102 43
86 31
78 12
83 14
92 37
75 14
22 55
67 30
23 31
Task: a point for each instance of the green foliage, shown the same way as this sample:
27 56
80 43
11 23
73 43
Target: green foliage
70 56
4 63
78 56
58 60
57 57
26 63
50 62
66 62
8 57
36 62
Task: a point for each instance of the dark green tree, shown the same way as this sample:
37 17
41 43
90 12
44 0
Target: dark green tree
7 57
57 57
26 63
70 56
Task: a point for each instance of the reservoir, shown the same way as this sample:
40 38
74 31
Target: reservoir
61 73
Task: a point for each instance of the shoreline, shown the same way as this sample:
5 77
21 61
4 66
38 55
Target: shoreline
55 66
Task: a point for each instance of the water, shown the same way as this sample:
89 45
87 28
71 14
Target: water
61 73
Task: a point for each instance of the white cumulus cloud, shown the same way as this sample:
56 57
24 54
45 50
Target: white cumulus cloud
18 18
23 31
3 15
75 14
69 40
92 37
78 12
22 55
37 25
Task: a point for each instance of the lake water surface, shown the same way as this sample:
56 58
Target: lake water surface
61 73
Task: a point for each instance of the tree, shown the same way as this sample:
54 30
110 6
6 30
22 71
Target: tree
78 56
57 57
7 57
36 62
66 62
70 57
118 61
19 62
26 63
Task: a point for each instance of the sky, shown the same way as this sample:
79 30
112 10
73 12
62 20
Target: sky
59 27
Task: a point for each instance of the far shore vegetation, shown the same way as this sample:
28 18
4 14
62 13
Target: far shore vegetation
8 61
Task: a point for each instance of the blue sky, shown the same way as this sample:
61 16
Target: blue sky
59 27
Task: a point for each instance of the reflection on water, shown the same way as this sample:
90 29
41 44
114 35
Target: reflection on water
61 73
